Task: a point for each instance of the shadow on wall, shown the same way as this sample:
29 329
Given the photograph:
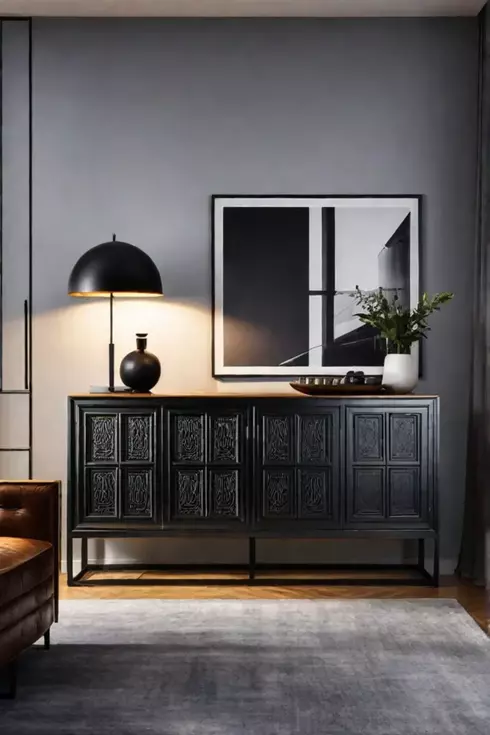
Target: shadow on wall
235 551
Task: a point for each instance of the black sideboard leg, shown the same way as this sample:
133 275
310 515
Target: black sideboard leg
84 554
47 640
421 559
251 557
69 560
11 681
436 561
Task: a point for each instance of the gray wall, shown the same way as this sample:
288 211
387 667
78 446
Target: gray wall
136 123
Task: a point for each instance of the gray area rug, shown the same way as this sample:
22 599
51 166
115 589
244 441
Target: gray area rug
226 667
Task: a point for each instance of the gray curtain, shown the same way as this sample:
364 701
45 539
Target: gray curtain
475 547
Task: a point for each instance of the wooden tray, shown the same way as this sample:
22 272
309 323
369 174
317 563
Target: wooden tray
341 390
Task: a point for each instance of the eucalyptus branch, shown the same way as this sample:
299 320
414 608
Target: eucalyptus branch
400 326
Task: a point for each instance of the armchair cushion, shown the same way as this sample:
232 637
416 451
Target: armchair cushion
24 564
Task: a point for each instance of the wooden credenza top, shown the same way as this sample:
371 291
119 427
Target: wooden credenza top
291 394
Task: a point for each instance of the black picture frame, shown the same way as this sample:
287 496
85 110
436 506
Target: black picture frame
415 203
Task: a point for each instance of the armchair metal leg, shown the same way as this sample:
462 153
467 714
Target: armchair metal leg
11 681
47 639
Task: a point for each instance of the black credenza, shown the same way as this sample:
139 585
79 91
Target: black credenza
254 466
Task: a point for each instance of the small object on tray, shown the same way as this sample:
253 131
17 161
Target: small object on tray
354 378
351 384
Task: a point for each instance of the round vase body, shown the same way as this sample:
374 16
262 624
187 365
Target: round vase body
140 370
400 373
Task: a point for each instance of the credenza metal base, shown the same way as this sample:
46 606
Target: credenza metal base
252 570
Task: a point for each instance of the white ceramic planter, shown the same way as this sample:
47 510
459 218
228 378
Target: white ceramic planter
400 373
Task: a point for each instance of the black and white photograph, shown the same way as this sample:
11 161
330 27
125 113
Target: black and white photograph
285 273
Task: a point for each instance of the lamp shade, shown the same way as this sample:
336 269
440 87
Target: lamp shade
115 268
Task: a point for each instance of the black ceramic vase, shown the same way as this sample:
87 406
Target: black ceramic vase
140 370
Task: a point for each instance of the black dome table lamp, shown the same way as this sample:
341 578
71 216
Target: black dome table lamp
114 269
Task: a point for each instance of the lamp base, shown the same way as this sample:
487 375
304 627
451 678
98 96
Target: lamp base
106 389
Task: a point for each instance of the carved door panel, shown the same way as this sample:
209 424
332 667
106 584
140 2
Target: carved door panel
208 466
297 476
121 467
387 466
99 494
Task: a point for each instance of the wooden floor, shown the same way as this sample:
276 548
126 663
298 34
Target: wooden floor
470 597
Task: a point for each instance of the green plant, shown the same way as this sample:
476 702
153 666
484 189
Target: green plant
400 326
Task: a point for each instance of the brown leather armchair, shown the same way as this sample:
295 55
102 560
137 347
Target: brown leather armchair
29 566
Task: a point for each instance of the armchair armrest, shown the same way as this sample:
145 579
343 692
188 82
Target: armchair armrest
31 509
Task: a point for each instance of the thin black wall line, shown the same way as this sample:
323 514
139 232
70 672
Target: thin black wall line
26 344
30 254
1 204
328 276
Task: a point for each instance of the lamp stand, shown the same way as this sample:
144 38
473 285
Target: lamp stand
111 343
111 388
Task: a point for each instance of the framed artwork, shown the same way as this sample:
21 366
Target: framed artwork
285 269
